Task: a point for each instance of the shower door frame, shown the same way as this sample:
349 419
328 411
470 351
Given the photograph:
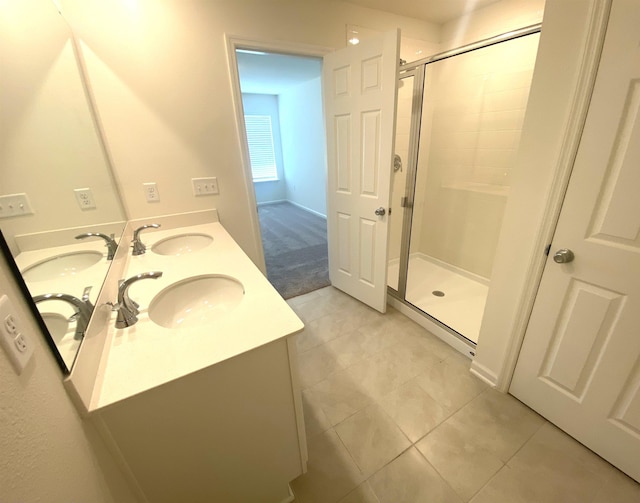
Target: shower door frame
418 70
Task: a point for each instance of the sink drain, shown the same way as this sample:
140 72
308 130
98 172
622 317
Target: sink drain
438 293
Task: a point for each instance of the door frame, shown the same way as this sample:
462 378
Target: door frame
287 48
507 314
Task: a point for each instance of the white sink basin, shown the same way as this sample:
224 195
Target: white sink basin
181 244
59 266
57 324
196 301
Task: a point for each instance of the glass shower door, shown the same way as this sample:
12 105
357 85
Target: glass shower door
473 108
407 127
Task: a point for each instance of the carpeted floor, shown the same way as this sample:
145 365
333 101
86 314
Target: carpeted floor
295 248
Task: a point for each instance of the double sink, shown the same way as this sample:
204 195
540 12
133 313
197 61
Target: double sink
188 302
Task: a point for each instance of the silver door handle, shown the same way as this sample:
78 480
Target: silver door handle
380 211
563 256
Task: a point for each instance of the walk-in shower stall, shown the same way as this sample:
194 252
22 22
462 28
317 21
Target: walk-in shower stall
458 126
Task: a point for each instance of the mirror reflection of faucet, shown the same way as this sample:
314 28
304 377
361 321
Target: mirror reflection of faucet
128 309
111 243
83 308
138 246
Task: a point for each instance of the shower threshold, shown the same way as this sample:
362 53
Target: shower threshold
452 296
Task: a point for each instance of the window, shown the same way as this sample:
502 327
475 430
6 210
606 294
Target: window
261 151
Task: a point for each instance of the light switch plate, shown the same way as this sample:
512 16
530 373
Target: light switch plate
15 205
205 186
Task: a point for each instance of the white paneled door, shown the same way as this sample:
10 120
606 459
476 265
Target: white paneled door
360 103
580 362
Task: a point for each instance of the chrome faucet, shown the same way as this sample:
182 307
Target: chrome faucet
128 310
83 308
111 244
138 246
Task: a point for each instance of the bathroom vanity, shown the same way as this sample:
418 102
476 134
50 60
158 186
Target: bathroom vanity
198 399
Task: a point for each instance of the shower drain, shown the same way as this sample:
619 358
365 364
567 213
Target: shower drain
438 293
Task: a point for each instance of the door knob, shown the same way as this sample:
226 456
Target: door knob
563 256
380 211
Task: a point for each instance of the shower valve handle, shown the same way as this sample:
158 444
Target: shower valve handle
380 211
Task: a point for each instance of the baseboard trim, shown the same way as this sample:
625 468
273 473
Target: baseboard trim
317 213
484 374
291 496
278 201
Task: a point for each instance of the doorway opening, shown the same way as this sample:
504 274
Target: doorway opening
284 133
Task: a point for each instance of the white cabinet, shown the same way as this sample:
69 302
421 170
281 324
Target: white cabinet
231 432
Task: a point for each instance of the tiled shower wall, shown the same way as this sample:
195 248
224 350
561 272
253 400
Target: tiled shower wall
475 105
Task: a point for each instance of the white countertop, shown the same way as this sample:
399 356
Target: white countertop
147 355
71 283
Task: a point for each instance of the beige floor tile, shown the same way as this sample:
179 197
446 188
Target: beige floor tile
551 467
316 364
315 420
361 494
450 383
413 357
301 299
413 410
497 423
349 348
619 488
331 472
380 374
372 438
411 479
458 459
324 329
339 396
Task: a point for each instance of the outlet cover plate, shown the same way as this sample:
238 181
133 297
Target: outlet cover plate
15 205
13 340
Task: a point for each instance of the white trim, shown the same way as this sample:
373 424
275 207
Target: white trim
317 213
587 74
450 267
233 43
291 496
444 335
276 201
484 374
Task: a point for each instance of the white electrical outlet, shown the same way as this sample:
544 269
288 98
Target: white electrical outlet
85 198
15 205
205 186
16 344
151 192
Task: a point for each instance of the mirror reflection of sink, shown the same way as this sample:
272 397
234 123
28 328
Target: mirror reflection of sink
196 301
181 244
62 332
59 266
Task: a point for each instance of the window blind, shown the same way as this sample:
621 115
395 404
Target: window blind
261 151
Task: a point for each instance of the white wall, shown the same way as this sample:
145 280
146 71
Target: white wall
303 145
160 76
267 104
520 248
476 105
48 142
48 452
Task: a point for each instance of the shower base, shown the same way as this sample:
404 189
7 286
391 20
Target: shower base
450 295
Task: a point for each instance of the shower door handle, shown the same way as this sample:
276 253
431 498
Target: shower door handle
380 211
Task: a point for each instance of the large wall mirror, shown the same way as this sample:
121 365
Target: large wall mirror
60 211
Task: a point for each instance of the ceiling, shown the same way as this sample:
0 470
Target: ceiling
274 73
435 11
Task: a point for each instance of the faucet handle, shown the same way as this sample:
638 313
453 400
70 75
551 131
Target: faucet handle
138 246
